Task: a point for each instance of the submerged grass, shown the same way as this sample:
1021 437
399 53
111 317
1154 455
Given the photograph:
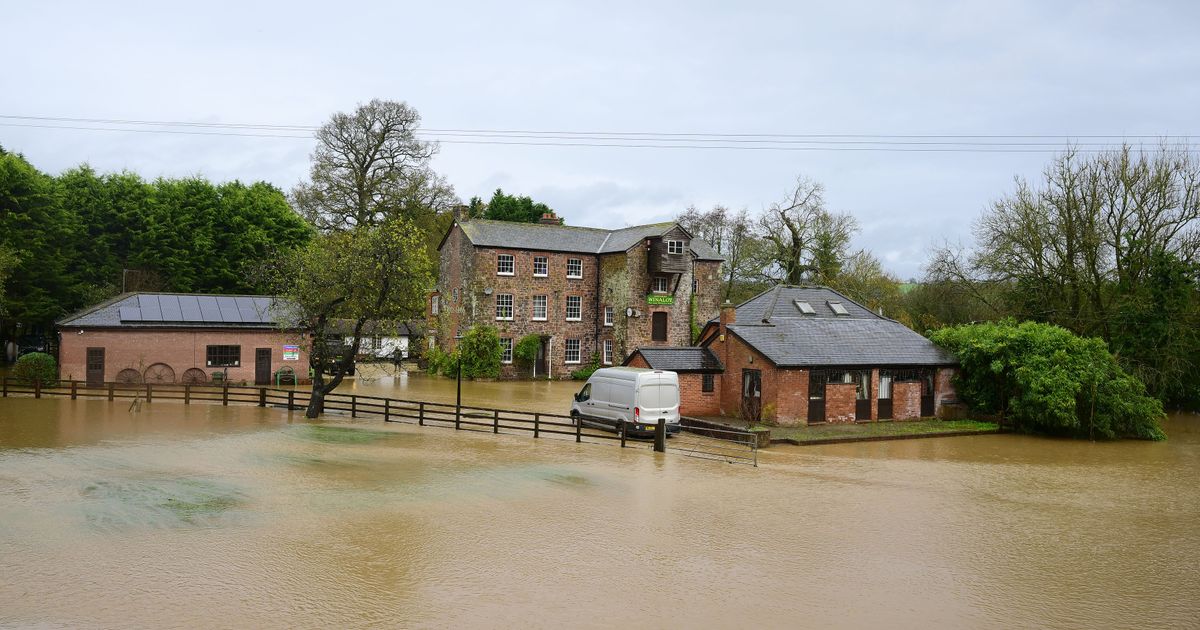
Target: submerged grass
339 435
899 428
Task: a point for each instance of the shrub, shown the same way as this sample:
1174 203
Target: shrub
585 372
36 367
1044 378
481 352
437 361
525 352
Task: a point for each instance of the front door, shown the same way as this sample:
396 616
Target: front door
262 366
927 393
751 395
95 367
658 326
816 396
539 364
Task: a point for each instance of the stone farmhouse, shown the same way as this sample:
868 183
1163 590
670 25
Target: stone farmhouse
583 292
180 338
808 355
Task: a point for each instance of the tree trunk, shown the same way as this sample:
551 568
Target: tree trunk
316 404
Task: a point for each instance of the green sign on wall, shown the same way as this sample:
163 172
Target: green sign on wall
660 299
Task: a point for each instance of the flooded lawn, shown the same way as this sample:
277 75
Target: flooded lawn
246 517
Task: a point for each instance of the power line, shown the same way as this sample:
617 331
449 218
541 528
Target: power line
752 142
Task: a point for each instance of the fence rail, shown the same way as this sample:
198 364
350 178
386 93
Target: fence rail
711 443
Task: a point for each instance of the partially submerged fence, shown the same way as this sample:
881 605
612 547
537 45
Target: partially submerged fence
724 444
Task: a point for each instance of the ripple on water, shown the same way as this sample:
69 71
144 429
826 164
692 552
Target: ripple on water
160 502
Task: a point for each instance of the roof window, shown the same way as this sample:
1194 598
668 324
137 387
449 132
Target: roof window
805 307
837 308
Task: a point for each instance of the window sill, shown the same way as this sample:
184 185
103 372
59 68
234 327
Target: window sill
608 324
501 273
537 319
504 319
574 277
574 319
571 362
541 275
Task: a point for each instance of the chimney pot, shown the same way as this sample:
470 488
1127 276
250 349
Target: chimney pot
549 218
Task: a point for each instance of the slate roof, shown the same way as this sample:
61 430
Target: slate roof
180 310
689 359
773 324
571 239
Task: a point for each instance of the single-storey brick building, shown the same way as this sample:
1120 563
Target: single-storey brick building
808 354
698 370
179 338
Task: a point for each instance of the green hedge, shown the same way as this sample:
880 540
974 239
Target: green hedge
36 367
1044 378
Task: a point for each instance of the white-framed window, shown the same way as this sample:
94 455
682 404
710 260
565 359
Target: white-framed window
574 308
572 350
574 268
435 304
506 346
504 306
608 352
608 315
674 247
506 265
661 284
539 309
541 267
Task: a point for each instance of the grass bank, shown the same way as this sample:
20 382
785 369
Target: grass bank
869 431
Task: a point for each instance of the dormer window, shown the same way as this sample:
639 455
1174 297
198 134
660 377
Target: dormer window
805 308
837 308
674 247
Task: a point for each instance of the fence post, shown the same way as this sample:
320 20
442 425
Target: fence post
537 419
73 385
149 394
457 416
387 413
110 392
187 393
495 421
421 414
578 429
660 436
225 394
37 388
5 387
353 406
291 397
262 396
623 426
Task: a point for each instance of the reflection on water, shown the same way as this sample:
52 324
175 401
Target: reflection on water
208 515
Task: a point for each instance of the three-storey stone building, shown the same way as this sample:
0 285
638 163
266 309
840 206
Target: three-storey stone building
581 291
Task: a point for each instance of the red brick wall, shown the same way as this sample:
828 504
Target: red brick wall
791 402
944 388
693 400
840 402
906 400
180 349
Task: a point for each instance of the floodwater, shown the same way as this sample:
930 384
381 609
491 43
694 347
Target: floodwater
187 516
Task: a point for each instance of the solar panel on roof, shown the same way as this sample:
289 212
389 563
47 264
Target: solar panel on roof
191 308
229 310
170 308
131 314
209 311
247 311
151 311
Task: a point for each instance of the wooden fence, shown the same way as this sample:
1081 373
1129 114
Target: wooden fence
738 448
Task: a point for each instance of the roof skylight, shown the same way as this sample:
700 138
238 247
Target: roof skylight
837 308
805 307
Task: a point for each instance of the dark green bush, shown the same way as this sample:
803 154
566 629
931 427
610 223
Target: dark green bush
525 352
481 353
585 372
36 367
1045 379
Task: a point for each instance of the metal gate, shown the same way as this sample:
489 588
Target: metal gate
708 440
816 395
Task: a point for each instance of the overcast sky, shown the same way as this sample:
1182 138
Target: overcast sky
1045 68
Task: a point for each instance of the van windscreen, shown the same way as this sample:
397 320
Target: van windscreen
658 396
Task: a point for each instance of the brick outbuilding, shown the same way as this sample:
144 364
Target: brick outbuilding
808 355
698 370
180 338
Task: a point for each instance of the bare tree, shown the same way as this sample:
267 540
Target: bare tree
370 165
805 241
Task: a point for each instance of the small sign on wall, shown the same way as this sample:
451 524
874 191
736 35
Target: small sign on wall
660 299
291 353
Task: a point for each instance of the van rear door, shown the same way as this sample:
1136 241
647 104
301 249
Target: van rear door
659 399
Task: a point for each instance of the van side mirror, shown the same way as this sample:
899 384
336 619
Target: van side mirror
576 396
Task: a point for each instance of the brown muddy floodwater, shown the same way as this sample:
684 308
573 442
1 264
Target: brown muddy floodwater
198 516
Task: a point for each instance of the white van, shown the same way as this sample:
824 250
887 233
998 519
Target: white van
638 396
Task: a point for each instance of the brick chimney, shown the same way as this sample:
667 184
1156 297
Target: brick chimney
549 218
461 212
728 316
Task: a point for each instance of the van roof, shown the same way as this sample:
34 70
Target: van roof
627 373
